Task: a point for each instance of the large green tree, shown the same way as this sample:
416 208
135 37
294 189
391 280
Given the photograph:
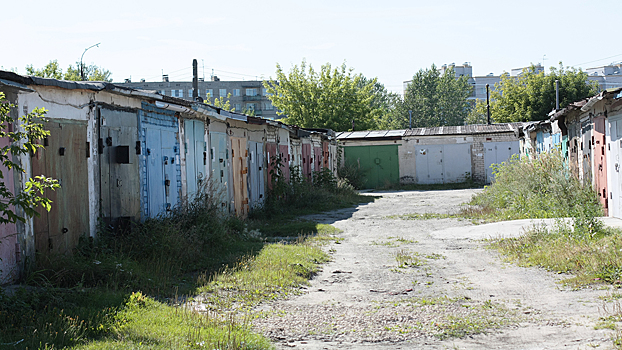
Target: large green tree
332 98
531 95
436 99
53 70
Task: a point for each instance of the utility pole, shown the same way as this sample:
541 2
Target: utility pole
488 102
556 95
195 80
81 64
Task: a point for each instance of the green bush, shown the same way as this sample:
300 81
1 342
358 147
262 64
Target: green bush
353 173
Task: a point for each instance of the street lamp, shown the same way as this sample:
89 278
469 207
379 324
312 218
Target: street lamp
81 57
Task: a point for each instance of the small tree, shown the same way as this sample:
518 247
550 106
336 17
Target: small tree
23 141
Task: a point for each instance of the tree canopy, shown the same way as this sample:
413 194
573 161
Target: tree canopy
531 95
435 99
53 70
332 98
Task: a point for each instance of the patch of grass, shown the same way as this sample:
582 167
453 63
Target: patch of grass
591 257
405 259
144 323
276 271
394 241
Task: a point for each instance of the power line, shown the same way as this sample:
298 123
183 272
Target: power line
602 59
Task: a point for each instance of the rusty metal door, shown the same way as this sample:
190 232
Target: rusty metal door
285 158
119 149
271 156
64 158
325 154
600 161
306 161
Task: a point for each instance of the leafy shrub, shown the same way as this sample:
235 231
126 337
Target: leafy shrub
353 173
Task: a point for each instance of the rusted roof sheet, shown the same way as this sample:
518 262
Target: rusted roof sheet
463 129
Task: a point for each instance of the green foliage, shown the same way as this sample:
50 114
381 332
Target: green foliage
478 114
538 188
220 102
531 95
330 98
435 99
353 173
24 136
53 70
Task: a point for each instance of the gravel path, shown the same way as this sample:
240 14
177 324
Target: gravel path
409 284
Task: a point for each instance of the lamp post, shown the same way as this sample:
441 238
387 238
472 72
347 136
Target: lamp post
81 57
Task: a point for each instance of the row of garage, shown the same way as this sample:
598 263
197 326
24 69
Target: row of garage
438 155
124 155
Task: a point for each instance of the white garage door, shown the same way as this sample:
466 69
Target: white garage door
498 152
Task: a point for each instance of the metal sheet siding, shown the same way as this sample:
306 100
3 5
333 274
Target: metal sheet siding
429 164
119 177
195 149
380 163
255 173
160 163
496 153
219 155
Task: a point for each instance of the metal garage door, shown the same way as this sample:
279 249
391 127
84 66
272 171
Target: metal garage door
498 152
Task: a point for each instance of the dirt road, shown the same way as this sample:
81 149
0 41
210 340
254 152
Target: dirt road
411 284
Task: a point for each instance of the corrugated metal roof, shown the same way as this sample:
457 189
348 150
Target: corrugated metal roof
463 129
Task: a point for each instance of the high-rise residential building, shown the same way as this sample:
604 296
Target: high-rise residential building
246 95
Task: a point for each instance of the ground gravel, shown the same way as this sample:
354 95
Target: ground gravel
454 293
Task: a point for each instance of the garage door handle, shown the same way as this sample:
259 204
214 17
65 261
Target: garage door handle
377 161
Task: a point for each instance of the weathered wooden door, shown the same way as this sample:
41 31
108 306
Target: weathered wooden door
239 167
196 155
64 158
119 150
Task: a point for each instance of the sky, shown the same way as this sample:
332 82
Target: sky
244 40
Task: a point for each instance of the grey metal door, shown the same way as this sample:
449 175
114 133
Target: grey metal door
429 164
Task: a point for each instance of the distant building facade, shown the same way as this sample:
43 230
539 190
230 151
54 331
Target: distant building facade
247 95
608 77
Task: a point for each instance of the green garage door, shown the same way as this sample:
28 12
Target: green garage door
380 163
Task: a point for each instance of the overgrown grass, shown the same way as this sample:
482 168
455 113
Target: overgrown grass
594 257
86 299
537 188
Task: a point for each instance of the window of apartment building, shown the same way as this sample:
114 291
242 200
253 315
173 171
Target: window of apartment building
177 93
190 92
209 93
264 92
268 106
222 92
162 92
251 92
238 107
236 92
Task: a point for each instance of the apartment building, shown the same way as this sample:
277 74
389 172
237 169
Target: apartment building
246 95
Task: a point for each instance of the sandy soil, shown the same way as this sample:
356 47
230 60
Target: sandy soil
364 299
